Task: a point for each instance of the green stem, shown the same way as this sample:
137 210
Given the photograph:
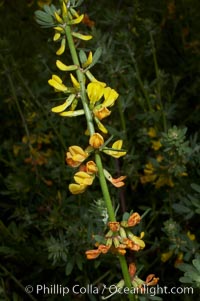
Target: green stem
158 82
81 79
16 281
12 88
90 124
138 77
104 188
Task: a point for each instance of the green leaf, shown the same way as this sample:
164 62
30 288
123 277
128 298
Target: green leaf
79 262
126 216
196 264
82 56
185 279
69 267
195 187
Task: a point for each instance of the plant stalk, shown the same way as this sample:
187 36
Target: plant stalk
90 124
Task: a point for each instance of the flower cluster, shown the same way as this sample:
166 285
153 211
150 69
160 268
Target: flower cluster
137 283
75 157
67 16
119 238
158 177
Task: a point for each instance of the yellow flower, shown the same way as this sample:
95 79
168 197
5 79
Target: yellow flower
81 36
84 178
110 96
58 18
41 3
77 188
147 178
156 144
96 140
77 20
95 92
57 83
75 156
115 151
100 125
75 82
166 256
88 61
149 169
64 67
56 36
152 132
65 105
191 236
62 47
164 180
137 240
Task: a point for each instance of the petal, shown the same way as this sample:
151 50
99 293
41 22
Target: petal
82 177
110 96
92 254
89 60
65 105
72 113
77 188
100 125
96 140
56 36
77 20
58 18
64 67
74 82
62 47
117 144
57 84
95 91
81 36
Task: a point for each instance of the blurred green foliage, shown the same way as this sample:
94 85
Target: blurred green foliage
150 55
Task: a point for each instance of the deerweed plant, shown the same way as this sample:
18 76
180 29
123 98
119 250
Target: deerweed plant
89 98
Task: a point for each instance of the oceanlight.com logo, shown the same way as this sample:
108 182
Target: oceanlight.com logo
152 291
106 291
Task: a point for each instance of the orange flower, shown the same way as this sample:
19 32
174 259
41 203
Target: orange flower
134 219
118 182
103 249
91 167
114 226
87 21
151 280
101 112
96 140
92 254
121 251
132 269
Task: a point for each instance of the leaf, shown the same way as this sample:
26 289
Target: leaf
69 267
82 56
126 216
195 187
181 209
79 262
196 264
185 279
